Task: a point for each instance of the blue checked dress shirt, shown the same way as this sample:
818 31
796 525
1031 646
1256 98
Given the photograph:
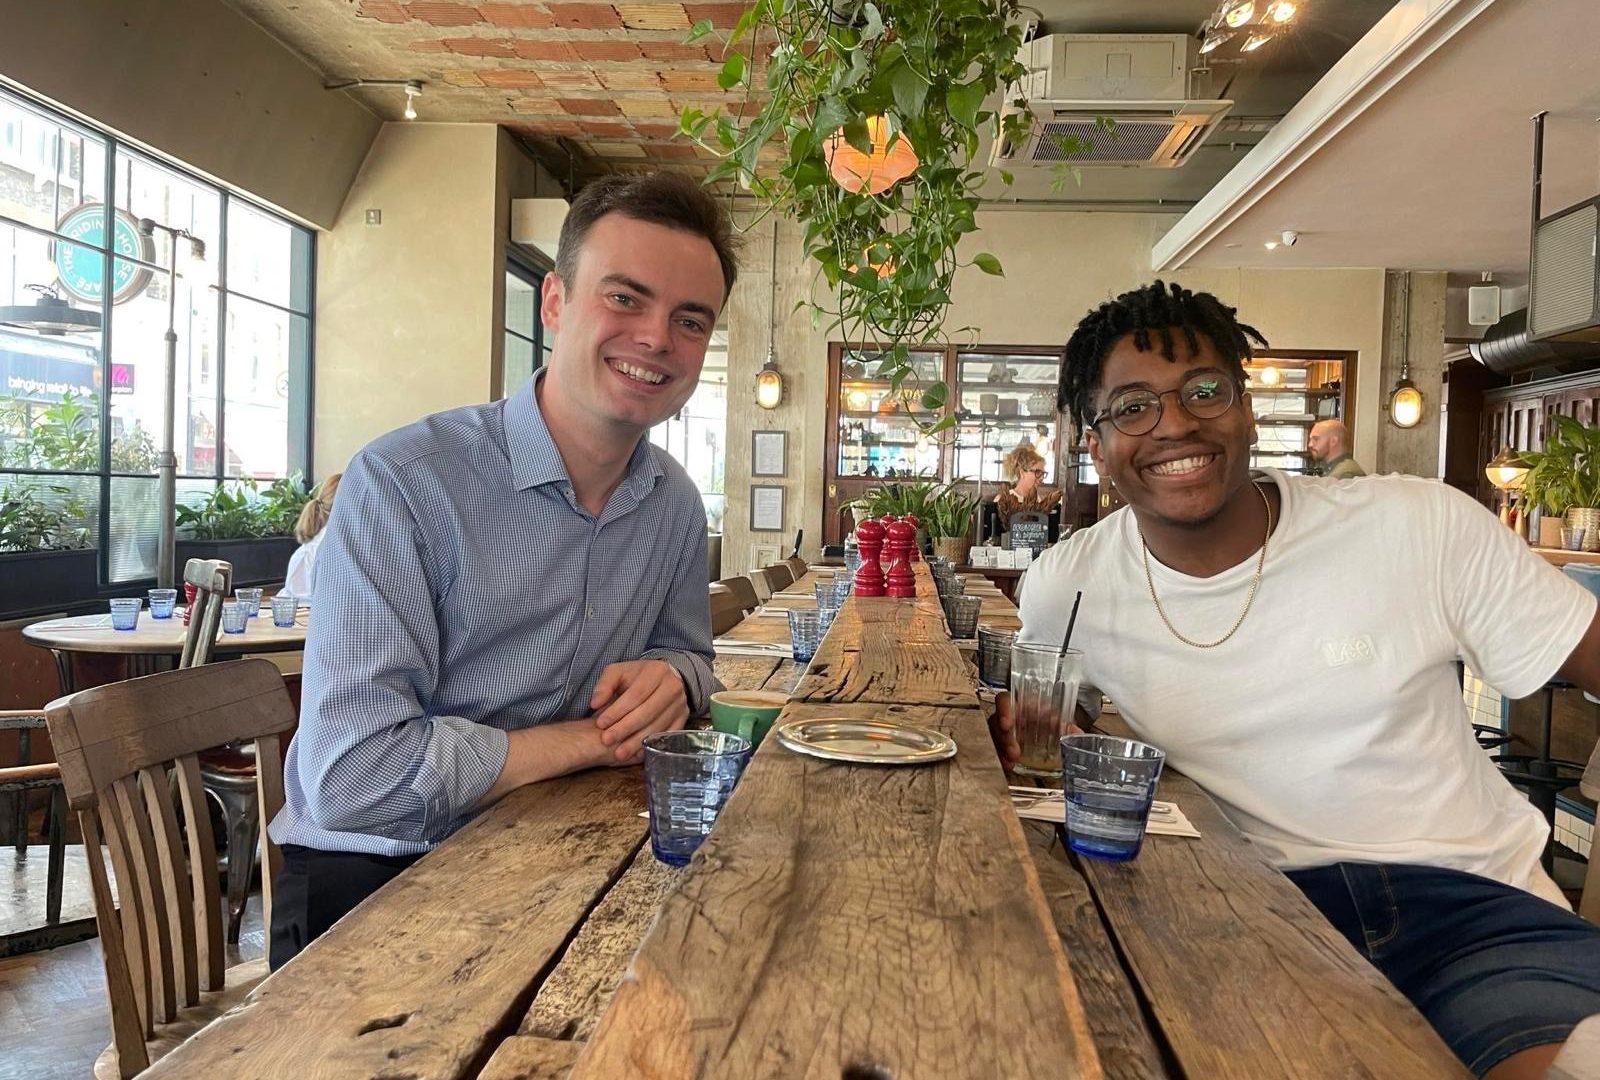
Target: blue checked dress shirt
463 592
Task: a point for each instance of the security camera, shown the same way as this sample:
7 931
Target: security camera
1290 238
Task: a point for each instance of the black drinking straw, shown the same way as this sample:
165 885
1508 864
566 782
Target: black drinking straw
1071 622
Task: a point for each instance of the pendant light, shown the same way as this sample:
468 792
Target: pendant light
769 380
877 172
1405 400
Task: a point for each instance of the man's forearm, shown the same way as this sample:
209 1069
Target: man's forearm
545 752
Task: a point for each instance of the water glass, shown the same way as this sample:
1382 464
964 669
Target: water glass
1109 784
823 590
251 599
852 558
1044 693
125 613
994 655
954 585
961 612
842 583
162 601
284 608
234 616
688 776
805 633
1572 539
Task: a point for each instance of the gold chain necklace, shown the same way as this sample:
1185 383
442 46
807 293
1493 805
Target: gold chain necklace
1255 583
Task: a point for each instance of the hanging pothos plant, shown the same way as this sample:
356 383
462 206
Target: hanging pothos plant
840 91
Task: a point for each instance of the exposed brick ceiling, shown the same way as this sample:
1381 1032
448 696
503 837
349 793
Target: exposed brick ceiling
605 82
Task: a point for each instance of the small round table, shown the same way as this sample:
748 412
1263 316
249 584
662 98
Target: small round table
155 644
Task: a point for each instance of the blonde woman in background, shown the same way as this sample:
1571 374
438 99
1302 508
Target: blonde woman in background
302 577
1024 472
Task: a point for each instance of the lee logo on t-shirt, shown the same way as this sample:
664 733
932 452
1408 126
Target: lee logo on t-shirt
1351 650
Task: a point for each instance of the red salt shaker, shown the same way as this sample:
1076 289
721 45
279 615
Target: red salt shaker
901 580
869 575
916 524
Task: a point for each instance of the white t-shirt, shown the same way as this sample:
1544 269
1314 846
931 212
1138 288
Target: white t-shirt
1331 727
301 579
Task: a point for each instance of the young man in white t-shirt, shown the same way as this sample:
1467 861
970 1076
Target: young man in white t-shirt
1291 644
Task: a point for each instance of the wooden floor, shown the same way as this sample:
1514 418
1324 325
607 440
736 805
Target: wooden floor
53 1020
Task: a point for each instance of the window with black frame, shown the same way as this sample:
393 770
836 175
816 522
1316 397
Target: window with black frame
82 405
527 346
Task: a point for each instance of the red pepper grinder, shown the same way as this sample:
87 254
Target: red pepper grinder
190 591
869 575
902 538
916 524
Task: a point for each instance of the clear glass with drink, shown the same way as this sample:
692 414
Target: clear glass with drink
1044 693
1109 784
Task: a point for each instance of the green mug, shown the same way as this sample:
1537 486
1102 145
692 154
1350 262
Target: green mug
746 713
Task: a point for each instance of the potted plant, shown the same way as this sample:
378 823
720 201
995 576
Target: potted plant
250 528
950 523
47 559
1564 477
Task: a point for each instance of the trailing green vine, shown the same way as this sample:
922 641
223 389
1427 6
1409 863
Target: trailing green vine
813 68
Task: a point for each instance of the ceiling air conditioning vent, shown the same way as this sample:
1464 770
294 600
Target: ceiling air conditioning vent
1151 86
1148 134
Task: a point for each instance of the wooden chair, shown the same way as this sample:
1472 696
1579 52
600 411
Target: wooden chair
744 590
726 611
758 585
227 772
797 566
778 577
163 953
19 781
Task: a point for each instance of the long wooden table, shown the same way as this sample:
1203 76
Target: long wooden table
840 921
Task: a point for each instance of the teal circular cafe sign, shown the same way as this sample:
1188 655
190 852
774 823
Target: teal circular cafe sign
82 270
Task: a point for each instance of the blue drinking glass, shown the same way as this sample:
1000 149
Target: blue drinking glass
1109 784
125 613
805 633
234 617
688 776
284 608
251 599
162 601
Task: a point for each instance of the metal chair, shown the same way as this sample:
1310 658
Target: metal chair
18 782
163 952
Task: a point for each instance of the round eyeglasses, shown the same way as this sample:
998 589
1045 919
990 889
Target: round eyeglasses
1204 395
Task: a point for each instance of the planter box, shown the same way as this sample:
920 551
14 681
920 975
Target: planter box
47 580
261 561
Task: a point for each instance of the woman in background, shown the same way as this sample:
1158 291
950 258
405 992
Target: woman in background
302 577
1024 472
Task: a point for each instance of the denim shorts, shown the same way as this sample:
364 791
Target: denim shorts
1494 969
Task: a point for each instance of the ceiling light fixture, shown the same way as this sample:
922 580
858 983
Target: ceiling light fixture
412 88
1214 38
1271 245
1256 39
1239 14
1279 12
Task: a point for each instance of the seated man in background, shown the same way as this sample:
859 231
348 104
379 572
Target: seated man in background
1329 443
1291 645
513 591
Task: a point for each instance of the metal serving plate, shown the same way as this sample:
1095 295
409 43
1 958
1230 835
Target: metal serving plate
866 742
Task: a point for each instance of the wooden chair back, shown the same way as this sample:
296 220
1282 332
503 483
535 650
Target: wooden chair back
115 745
758 585
743 590
213 580
778 577
726 611
797 566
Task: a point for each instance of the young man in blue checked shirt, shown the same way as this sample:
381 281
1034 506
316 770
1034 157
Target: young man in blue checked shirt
513 591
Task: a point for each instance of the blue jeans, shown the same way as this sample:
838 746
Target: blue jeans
1494 969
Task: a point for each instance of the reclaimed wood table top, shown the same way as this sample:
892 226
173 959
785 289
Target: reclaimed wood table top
160 637
839 922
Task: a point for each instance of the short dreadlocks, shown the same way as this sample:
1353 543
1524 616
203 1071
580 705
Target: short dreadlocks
1157 308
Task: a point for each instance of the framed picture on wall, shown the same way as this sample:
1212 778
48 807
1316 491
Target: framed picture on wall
766 508
769 453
